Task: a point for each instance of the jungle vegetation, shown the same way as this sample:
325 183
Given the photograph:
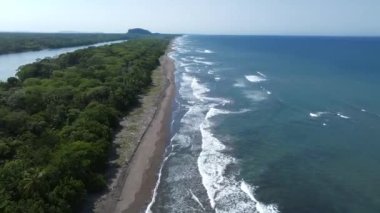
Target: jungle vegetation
57 119
21 42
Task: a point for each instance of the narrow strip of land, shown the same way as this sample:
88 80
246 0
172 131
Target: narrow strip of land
133 190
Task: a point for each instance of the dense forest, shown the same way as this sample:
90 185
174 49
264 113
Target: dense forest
57 118
20 42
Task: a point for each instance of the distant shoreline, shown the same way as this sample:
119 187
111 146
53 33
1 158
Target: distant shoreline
133 187
27 42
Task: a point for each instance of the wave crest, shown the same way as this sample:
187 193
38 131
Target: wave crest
255 78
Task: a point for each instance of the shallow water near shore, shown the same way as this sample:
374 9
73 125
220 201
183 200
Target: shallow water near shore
273 124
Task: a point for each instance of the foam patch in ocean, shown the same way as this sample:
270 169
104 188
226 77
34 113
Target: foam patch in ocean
262 75
266 91
342 116
256 95
183 64
203 62
198 89
240 83
255 78
205 51
317 114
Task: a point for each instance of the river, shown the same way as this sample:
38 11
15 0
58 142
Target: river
9 63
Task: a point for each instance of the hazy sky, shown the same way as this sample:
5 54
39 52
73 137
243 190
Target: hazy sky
327 17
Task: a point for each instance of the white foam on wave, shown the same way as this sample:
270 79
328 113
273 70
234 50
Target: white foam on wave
198 89
262 75
211 72
317 114
205 51
223 191
255 78
256 95
262 208
178 45
149 208
196 199
239 83
266 91
185 59
211 162
188 69
215 111
217 78
181 50
183 64
363 110
203 62
342 116
185 85
172 55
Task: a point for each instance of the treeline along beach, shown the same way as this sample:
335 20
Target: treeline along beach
20 42
57 120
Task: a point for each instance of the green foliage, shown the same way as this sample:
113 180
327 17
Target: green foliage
19 42
57 119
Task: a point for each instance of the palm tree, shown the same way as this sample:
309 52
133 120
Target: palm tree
32 181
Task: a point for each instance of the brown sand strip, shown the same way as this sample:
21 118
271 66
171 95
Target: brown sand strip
144 165
125 144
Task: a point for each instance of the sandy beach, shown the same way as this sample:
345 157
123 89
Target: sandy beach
132 188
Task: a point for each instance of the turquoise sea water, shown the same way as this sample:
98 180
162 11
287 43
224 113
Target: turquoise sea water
274 124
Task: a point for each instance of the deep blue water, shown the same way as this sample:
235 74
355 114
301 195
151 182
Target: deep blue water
274 124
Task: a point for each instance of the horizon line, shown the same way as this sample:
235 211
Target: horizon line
202 34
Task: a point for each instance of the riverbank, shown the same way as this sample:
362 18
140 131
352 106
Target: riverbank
11 62
132 187
17 42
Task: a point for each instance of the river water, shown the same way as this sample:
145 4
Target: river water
9 63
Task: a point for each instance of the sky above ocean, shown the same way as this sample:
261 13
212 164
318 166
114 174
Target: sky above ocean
269 17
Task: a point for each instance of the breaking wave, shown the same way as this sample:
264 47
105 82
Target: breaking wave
255 78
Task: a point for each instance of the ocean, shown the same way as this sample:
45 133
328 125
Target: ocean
273 124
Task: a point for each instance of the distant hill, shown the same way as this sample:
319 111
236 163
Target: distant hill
139 31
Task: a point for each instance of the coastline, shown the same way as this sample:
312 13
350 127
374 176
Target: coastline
132 187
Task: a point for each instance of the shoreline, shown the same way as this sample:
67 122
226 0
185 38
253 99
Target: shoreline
132 188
